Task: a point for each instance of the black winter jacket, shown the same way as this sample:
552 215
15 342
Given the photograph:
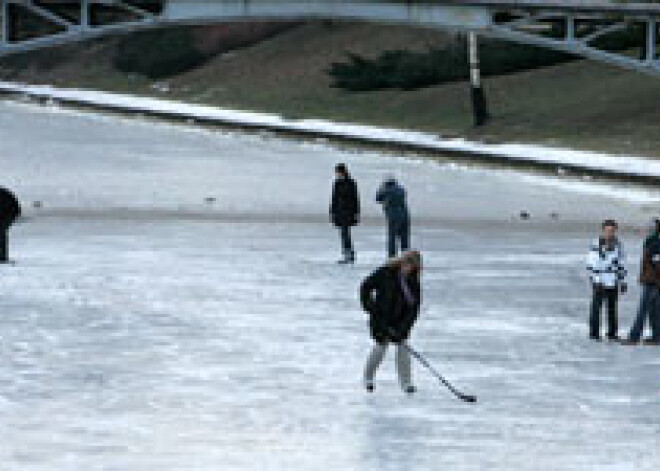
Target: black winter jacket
10 209
345 205
391 317
650 267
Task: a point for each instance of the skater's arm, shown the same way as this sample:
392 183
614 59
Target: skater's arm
357 202
621 270
594 263
369 285
411 319
333 199
381 195
366 293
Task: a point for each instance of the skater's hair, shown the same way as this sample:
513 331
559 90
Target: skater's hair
412 257
655 224
341 168
610 223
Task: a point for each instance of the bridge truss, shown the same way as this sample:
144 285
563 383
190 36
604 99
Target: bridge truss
625 35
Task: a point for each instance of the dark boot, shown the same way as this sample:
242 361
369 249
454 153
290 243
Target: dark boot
349 258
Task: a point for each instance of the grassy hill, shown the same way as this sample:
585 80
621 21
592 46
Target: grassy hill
284 69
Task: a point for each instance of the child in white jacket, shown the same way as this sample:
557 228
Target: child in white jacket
606 264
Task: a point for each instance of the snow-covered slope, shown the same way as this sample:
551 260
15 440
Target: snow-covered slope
629 166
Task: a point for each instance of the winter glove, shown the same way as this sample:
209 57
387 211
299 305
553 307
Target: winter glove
381 337
624 287
395 336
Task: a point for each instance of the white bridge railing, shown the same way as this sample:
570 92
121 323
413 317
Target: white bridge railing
576 27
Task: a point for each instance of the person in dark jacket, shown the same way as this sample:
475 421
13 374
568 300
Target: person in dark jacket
649 305
392 297
10 210
393 198
345 210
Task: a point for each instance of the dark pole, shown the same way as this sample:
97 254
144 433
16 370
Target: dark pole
479 104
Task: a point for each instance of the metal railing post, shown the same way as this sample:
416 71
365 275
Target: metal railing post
479 104
570 28
651 36
4 23
84 14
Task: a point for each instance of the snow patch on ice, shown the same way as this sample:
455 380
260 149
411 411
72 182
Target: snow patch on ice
525 152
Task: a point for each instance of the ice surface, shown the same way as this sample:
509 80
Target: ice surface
144 329
627 164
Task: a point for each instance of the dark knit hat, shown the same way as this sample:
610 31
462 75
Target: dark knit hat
610 223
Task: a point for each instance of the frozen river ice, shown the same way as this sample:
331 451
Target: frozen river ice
143 328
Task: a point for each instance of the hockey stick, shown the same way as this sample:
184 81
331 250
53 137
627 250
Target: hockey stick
423 361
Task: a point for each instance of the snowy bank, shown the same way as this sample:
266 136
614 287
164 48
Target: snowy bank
623 167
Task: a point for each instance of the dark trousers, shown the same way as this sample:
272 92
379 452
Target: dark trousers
346 241
611 295
398 231
4 251
649 307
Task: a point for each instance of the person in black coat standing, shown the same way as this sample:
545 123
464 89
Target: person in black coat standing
10 210
345 210
392 297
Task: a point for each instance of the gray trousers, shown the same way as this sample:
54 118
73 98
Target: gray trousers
402 364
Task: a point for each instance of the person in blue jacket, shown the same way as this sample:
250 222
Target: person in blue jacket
392 196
